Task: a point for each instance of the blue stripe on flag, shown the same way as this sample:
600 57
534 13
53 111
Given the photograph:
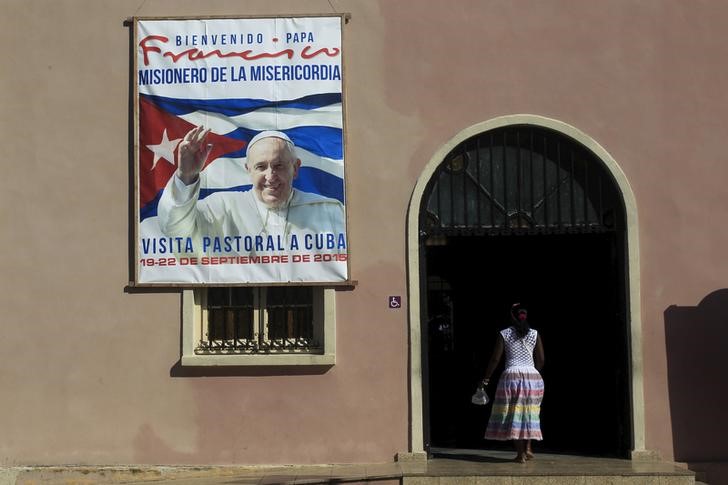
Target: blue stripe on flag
234 107
150 210
324 141
320 182
208 192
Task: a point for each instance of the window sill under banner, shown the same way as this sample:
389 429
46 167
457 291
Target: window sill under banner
258 360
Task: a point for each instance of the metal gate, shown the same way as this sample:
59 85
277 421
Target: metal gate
520 179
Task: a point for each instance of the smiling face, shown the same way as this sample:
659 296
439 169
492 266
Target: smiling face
272 167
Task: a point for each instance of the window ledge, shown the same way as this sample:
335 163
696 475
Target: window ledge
258 360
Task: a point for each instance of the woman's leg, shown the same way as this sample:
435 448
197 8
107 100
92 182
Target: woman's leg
529 451
520 446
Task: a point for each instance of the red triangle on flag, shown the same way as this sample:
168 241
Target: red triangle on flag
158 127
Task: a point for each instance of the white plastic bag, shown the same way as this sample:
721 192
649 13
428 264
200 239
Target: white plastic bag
480 397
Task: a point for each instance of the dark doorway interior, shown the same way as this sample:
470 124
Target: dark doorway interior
573 287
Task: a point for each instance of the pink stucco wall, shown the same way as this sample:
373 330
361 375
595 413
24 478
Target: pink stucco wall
89 372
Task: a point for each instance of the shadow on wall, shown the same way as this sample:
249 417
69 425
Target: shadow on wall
697 344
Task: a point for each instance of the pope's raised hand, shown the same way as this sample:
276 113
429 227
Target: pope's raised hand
192 152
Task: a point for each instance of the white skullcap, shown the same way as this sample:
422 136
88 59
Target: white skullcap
268 134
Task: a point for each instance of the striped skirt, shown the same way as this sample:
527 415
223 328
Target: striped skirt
517 405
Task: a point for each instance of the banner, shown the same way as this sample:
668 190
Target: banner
240 153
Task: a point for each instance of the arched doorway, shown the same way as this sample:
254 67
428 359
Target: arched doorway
525 211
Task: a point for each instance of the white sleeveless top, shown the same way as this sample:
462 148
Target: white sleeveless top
519 352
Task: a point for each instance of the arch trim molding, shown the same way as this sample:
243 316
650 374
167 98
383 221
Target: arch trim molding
416 434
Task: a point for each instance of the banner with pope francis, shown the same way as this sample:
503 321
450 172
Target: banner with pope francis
239 151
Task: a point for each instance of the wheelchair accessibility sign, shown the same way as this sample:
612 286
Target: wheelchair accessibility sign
395 302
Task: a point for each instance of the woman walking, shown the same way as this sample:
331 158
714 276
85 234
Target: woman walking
517 404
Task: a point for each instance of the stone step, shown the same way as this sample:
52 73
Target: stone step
481 467
466 467
551 480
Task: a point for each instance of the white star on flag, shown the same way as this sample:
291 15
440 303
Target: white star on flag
164 150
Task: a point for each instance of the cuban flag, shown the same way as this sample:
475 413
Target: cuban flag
313 122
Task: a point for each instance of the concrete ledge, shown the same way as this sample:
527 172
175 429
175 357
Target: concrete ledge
548 480
89 474
416 457
380 473
8 476
645 455
258 360
477 468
